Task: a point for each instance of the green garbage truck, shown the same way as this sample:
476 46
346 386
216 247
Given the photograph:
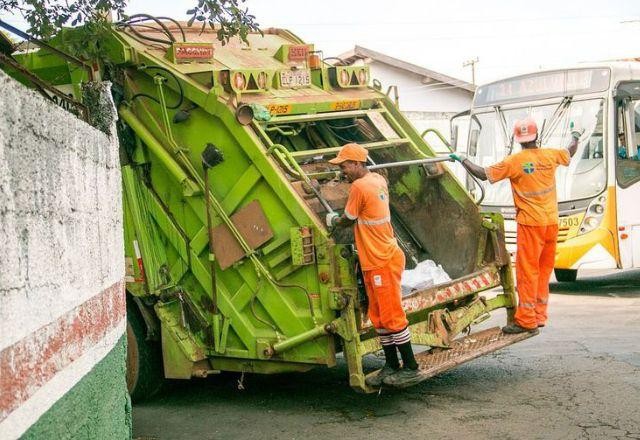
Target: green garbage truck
226 183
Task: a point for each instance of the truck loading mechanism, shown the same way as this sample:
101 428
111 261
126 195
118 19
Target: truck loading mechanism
226 182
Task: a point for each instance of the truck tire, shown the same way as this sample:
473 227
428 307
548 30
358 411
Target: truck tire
566 275
145 374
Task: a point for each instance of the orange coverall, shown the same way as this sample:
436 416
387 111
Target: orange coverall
532 176
381 260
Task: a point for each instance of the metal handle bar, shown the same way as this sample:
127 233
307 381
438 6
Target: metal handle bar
410 162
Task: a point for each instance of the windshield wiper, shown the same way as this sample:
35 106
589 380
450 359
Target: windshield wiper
555 119
508 141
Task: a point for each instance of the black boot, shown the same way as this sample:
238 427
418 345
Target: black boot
391 356
391 365
409 374
408 359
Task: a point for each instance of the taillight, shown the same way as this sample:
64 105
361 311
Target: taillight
344 78
262 80
314 61
239 81
362 77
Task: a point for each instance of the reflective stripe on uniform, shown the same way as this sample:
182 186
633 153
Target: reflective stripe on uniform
349 216
542 301
376 222
535 193
527 305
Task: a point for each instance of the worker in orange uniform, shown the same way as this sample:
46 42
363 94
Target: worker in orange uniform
382 262
532 176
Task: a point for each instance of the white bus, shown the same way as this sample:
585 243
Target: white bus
599 192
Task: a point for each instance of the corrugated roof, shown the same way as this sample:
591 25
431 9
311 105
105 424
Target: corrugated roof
360 52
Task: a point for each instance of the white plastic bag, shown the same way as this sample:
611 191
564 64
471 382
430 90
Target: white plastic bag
423 276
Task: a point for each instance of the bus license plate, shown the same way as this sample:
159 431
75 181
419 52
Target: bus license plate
295 78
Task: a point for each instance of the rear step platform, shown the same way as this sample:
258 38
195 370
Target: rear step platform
464 349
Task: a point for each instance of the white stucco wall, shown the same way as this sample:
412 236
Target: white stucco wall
61 253
415 96
425 105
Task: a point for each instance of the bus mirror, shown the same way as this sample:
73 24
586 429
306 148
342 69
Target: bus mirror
473 142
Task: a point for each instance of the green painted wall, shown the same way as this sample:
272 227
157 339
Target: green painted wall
97 407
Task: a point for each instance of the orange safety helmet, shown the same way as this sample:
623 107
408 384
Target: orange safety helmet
525 130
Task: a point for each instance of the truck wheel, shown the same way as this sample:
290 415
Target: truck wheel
145 374
566 275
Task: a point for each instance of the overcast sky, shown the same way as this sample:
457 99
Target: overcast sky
508 37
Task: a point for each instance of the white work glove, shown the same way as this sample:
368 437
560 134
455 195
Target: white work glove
331 219
576 132
459 157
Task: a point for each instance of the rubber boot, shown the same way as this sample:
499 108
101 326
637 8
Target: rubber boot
409 374
391 365
515 329
408 359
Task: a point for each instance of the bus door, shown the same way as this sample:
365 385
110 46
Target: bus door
627 170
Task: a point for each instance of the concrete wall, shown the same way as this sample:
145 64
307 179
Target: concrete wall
62 304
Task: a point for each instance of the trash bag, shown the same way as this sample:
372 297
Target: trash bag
426 274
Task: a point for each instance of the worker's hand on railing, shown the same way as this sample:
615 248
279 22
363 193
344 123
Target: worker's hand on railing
332 219
460 157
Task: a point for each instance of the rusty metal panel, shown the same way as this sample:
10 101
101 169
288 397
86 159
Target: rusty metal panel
438 360
465 349
456 289
499 246
252 225
445 293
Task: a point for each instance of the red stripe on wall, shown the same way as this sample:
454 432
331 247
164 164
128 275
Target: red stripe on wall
31 362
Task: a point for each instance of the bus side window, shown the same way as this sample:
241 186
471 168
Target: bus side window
628 156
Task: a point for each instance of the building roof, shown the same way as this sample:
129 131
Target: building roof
362 53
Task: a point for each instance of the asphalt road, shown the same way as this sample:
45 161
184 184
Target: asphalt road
579 379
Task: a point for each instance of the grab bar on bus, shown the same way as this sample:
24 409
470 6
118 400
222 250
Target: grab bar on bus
437 133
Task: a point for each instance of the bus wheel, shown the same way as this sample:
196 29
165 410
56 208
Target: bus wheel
566 275
145 374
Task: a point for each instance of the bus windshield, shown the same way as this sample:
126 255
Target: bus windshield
491 141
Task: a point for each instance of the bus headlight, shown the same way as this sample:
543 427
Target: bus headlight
593 216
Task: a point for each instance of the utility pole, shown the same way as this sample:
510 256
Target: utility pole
472 63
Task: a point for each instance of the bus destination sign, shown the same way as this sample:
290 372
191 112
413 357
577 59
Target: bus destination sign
543 85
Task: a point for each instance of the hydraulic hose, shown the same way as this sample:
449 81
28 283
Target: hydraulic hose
178 25
153 98
145 17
